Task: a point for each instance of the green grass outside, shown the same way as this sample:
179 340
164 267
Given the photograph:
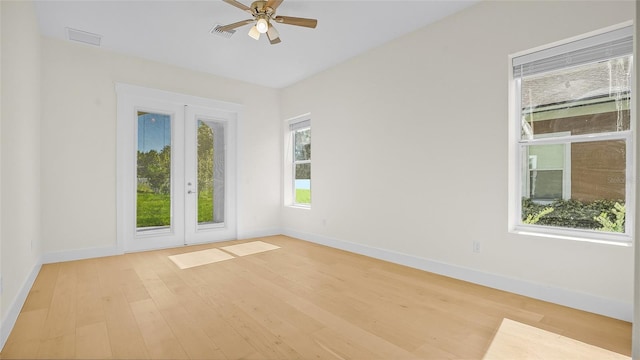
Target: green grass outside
303 196
205 206
155 209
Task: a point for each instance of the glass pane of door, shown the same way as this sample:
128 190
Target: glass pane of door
211 172
153 195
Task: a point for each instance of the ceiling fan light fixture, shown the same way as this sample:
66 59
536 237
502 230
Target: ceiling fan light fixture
262 25
262 13
273 35
254 33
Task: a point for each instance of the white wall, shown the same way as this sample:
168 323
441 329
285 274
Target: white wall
410 155
20 236
79 142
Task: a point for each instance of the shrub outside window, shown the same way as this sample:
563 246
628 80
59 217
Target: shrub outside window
574 141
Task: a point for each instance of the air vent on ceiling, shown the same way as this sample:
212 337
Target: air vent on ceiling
83 37
216 31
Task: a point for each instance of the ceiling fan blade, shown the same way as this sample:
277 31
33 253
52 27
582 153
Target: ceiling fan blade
254 33
273 35
290 20
239 5
273 4
235 25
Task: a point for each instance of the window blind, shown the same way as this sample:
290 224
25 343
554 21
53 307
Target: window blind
300 125
596 48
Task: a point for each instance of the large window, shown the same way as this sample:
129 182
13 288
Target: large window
573 151
301 164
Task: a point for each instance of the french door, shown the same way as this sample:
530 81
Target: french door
176 169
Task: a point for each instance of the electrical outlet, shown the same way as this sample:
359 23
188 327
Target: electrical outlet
476 246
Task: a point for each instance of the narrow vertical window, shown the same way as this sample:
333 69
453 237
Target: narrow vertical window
210 170
574 145
153 205
301 165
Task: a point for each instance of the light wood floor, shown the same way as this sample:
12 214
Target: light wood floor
302 301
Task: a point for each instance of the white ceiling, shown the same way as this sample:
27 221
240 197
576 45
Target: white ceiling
177 32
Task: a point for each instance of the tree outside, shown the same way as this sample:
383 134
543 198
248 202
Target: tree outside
154 175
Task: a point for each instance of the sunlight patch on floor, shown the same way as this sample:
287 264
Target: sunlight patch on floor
249 248
198 258
209 256
515 340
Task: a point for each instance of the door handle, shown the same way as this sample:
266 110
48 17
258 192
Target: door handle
190 192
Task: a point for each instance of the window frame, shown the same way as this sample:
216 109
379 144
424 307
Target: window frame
292 126
566 165
518 147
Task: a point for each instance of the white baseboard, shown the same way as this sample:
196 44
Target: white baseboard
89 253
11 317
80 254
577 300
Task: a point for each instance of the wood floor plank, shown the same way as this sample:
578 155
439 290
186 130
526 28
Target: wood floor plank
187 330
24 340
124 334
160 341
338 346
302 301
89 300
264 341
132 286
213 323
193 287
28 349
92 342
190 334
285 322
323 313
59 347
42 290
379 319
61 318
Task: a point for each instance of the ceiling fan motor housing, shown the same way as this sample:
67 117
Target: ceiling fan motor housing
260 7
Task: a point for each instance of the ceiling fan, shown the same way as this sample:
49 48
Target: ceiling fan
263 13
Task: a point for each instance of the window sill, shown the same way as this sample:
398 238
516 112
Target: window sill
299 206
574 235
